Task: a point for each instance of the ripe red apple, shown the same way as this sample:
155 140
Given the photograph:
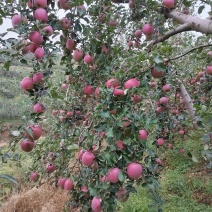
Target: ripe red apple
160 142
158 160
36 132
70 44
113 175
69 113
209 70
168 3
88 158
29 4
54 112
61 182
152 84
16 20
136 98
68 185
143 134
50 168
64 86
112 83
131 83
39 108
64 4
182 151
131 4
157 74
120 145
159 109
166 88
88 59
77 55
148 29
27 83
170 146
164 100
113 23
136 44
25 49
37 77
210 53
88 90
39 53
97 92
130 44
36 37
96 204
181 132
33 47
34 176
84 189
48 30
134 170
104 179
138 33
40 3
41 15
118 92
27 145
65 23
104 49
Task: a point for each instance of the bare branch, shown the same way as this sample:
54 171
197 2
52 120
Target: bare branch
187 52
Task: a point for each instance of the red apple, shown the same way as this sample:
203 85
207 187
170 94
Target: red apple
54 112
50 168
27 83
16 20
36 37
157 74
41 15
27 145
36 132
64 4
131 83
113 175
77 55
33 47
39 53
120 145
138 33
122 195
143 134
88 59
209 70
134 170
112 83
37 77
130 44
160 142
68 185
166 88
61 182
118 92
136 98
164 100
96 204
168 3
88 158
148 29
48 30
34 176
70 44
84 189
65 23
39 108
40 3
88 90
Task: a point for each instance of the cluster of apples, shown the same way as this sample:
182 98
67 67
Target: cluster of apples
28 144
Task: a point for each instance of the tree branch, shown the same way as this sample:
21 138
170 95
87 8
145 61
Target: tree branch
187 52
196 24
179 29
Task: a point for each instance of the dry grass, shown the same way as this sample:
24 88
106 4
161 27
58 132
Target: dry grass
43 199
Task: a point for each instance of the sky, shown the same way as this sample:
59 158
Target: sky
7 22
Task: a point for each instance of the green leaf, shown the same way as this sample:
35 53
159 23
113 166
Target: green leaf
92 191
160 67
158 59
110 133
105 114
121 176
7 65
194 159
9 177
73 147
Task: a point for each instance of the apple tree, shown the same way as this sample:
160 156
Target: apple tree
134 81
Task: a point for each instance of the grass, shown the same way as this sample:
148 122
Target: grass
186 186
